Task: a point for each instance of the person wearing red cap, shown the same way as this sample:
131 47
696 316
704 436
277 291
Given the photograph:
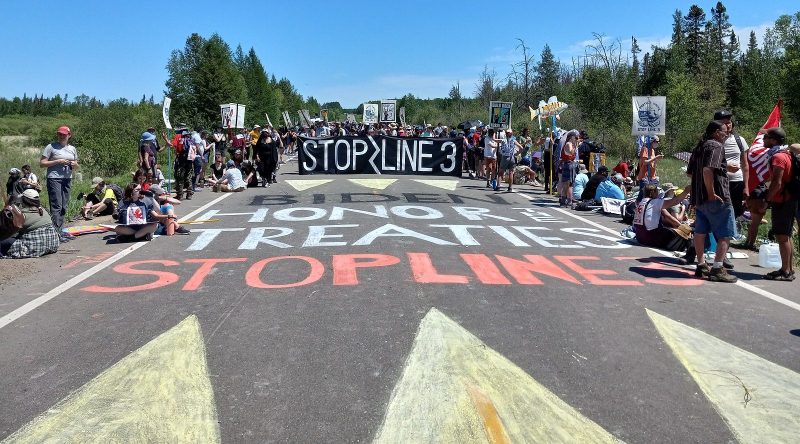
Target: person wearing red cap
59 158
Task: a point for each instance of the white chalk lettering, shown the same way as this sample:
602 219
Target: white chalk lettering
257 237
591 232
286 214
405 211
461 232
207 235
337 213
543 241
475 213
317 232
390 230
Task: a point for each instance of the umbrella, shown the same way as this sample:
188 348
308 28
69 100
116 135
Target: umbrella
684 156
467 124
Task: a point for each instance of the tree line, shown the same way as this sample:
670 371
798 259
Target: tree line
703 68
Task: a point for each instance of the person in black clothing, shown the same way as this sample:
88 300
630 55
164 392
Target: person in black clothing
591 187
249 173
267 158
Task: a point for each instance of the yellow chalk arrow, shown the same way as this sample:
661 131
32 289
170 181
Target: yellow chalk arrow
759 400
377 184
302 185
456 389
443 184
159 393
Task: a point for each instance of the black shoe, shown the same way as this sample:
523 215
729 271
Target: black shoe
702 270
182 230
727 263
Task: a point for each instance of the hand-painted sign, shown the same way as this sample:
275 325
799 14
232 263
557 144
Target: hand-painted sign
500 115
370 113
232 115
165 112
381 155
649 116
388 110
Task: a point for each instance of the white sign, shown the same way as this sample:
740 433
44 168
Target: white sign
403 115
269 122
649 116
388 111
232 115
165 112
286 119
370 113
351 118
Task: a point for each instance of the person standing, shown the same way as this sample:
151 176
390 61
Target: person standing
710 195
736 156
784 205
59 158
567 176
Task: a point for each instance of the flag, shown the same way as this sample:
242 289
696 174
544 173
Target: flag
757 156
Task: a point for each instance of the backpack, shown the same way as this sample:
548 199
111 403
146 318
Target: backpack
628 212
793 186
11 220
117 191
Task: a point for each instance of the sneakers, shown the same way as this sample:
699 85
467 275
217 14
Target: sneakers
536 183
89 215
779 275
702 270
182 230
721 275
726 263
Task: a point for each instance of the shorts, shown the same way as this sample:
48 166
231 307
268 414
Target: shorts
507 164
783 215
717 218
567 171
110 208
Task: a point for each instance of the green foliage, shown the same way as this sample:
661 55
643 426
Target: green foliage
107 138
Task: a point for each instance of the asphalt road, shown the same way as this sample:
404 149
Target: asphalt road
395 309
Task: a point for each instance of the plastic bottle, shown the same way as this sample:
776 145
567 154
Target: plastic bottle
769 256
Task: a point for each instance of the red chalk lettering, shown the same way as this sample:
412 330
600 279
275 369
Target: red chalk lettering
345 265
592 275
164 277
523 272
253 275
207 265
425 272
485 270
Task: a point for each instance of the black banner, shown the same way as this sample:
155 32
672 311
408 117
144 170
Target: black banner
381 155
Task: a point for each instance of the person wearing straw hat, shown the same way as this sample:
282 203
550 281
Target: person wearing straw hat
655 226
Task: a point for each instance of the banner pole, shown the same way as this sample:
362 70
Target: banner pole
553 191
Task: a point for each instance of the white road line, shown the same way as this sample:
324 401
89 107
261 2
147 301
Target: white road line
744 285
36 303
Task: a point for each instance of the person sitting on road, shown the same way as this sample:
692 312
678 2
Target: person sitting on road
29 180
170 225
581 179
610 188
37 236
231 181
100 202
597 178
136 215
655 226
217 169
140 178
249 174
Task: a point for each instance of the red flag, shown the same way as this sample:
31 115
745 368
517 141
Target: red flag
757 154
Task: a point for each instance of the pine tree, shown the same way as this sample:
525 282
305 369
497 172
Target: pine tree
548 71
693 27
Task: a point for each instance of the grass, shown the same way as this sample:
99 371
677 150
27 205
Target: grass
16 151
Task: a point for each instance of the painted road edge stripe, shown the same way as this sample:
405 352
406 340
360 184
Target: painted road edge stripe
36 303
744 285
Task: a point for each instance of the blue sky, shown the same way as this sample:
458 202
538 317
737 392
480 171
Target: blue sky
349 52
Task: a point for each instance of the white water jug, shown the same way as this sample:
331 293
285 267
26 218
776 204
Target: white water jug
769 256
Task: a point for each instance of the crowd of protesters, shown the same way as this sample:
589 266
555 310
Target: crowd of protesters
721 184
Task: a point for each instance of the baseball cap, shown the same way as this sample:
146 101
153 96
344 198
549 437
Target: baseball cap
656 139
64 130
30 193
157 190
148 136
97 180
14 171
722 114
231 164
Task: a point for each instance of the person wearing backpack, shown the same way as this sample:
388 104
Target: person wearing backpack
782 203
37 236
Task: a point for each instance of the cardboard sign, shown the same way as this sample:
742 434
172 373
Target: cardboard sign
500 114
388 111
370 113
165 112
649 116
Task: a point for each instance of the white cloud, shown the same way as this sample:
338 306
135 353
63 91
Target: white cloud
743 33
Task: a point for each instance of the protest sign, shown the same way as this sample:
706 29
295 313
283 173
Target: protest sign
324 114
388 110
500 114
649 116
165 112
307 117
370 113
286 120
269 122
351 118
232 115
403 115
381 155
